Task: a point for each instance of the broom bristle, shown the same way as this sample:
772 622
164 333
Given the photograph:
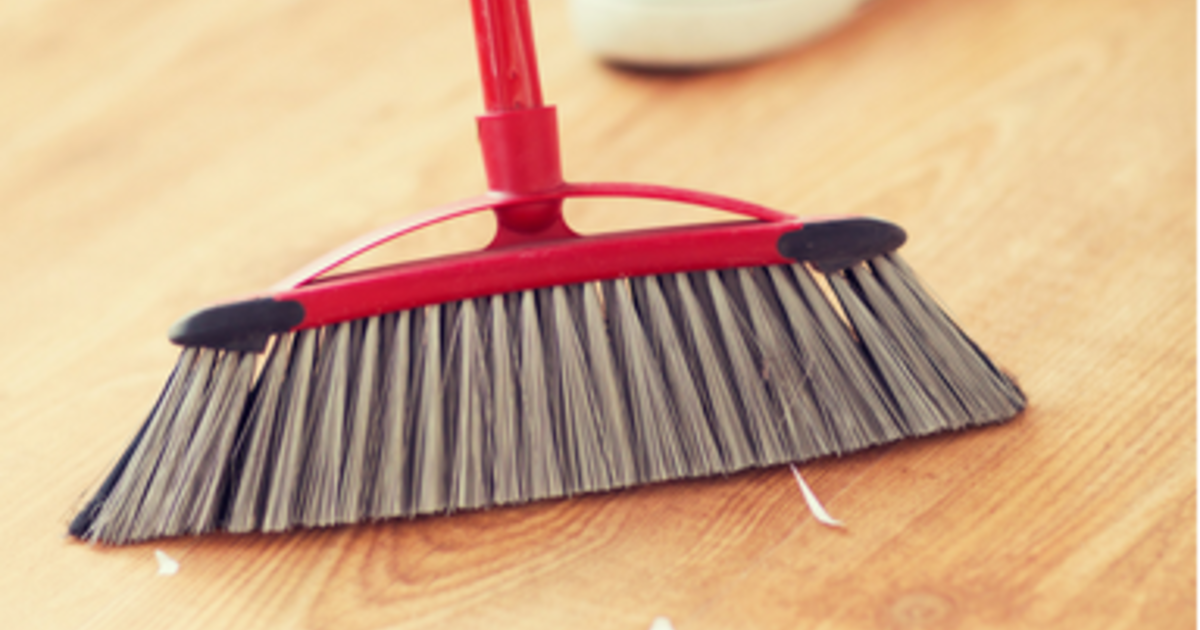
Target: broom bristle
547 393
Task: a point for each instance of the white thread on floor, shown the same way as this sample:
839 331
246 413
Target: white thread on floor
814 504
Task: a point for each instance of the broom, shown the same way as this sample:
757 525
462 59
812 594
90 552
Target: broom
548 364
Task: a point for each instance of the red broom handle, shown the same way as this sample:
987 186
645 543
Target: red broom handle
507 61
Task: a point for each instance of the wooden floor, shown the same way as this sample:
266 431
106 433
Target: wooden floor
157 156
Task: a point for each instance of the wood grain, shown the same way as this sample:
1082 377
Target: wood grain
158 156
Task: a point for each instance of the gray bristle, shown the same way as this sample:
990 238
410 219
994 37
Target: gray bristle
547 393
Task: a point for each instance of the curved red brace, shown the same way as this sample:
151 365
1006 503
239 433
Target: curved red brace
526 263
500 202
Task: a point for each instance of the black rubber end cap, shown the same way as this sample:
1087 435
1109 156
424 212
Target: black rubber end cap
243 326
837 244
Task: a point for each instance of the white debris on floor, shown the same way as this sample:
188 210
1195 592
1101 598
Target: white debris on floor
814 504
661 623
166 564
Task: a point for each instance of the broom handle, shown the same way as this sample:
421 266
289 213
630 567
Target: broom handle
507 62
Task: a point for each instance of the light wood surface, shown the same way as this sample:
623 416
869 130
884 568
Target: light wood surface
156 156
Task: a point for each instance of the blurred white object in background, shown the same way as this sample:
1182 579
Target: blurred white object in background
683 34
